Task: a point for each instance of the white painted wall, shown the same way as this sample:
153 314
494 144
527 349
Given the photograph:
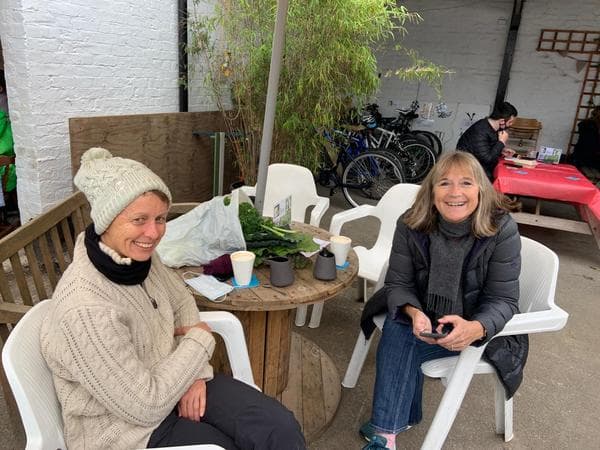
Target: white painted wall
75 58
470 38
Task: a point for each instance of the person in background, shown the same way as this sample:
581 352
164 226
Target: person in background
454 267
586 153
8 181
486 139
128 354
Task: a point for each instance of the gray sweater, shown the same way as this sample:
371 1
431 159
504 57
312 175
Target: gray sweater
118 370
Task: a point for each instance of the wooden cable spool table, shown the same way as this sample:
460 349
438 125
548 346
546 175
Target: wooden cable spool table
286 365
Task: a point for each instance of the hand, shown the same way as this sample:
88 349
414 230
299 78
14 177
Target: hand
183 330
503 136
193 403
464 333
420 323
508 152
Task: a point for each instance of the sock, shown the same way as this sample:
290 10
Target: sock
391 440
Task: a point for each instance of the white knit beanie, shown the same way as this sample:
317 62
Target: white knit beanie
111 183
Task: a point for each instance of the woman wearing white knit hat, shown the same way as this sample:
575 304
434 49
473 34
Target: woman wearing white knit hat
122 377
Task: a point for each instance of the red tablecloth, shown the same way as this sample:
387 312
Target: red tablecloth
560 182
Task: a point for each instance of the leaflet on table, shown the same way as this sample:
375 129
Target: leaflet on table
282 211
549 155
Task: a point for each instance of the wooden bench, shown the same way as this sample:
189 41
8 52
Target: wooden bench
33 257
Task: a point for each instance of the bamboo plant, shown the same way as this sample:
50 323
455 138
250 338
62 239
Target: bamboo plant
329 58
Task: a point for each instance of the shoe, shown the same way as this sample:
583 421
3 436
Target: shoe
376 443
367 431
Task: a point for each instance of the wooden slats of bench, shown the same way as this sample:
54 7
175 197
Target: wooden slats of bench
35 255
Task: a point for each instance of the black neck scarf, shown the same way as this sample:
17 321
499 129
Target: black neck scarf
128 275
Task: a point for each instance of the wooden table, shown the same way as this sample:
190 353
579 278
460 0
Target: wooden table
552 182
285 365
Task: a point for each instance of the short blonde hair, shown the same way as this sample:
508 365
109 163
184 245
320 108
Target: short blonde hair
423 216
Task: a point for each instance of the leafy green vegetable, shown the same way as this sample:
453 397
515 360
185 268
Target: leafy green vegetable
265 239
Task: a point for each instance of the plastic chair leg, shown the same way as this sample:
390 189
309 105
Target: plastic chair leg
301 315
359 355
315 317
452 398
504 411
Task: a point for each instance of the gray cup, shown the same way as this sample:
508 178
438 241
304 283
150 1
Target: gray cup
282 273
325 266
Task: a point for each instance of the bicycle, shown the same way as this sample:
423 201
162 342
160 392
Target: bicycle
401 125
367 174
416 156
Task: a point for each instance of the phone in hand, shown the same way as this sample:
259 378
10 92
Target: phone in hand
433 334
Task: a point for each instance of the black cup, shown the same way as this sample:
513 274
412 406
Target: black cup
325 266
282 273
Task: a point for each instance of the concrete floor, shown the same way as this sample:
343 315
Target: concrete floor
556 406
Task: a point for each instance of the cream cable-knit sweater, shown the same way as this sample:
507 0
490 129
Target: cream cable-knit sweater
118 370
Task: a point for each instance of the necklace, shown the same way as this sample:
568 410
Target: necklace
152 299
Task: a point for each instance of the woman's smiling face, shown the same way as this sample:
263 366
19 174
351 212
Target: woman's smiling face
456 194
138 229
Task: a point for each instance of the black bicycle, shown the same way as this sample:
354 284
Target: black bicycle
366 174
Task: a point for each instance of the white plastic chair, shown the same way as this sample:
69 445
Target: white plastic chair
284 180
539 271
371 260
31 380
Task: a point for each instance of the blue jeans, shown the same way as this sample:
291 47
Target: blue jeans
397 401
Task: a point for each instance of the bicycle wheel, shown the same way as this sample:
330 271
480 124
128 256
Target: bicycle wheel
417 160
368 176
433 141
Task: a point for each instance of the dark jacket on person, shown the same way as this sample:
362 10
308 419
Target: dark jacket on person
481 140
587 150
490 291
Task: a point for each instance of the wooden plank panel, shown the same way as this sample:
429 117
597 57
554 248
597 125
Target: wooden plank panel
58 250
19 274
36 227
291 397
68 238
163 142
312 389
277 346
331 386
47 259
38 278
5 288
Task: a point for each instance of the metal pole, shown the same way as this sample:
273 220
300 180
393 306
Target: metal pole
270 105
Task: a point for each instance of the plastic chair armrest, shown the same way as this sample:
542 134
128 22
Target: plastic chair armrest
318 211
553 319
341 218
230 329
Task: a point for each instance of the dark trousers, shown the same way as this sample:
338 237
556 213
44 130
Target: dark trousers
237 417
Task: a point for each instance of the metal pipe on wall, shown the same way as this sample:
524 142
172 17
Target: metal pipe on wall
182 40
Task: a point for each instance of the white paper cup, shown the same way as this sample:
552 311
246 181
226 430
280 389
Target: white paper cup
340 246
242 263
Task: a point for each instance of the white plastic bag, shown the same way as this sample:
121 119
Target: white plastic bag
206 232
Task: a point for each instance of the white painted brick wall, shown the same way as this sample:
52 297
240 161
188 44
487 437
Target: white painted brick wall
470 38
75 58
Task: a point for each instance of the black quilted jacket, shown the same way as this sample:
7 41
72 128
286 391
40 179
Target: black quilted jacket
490 289
482 141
